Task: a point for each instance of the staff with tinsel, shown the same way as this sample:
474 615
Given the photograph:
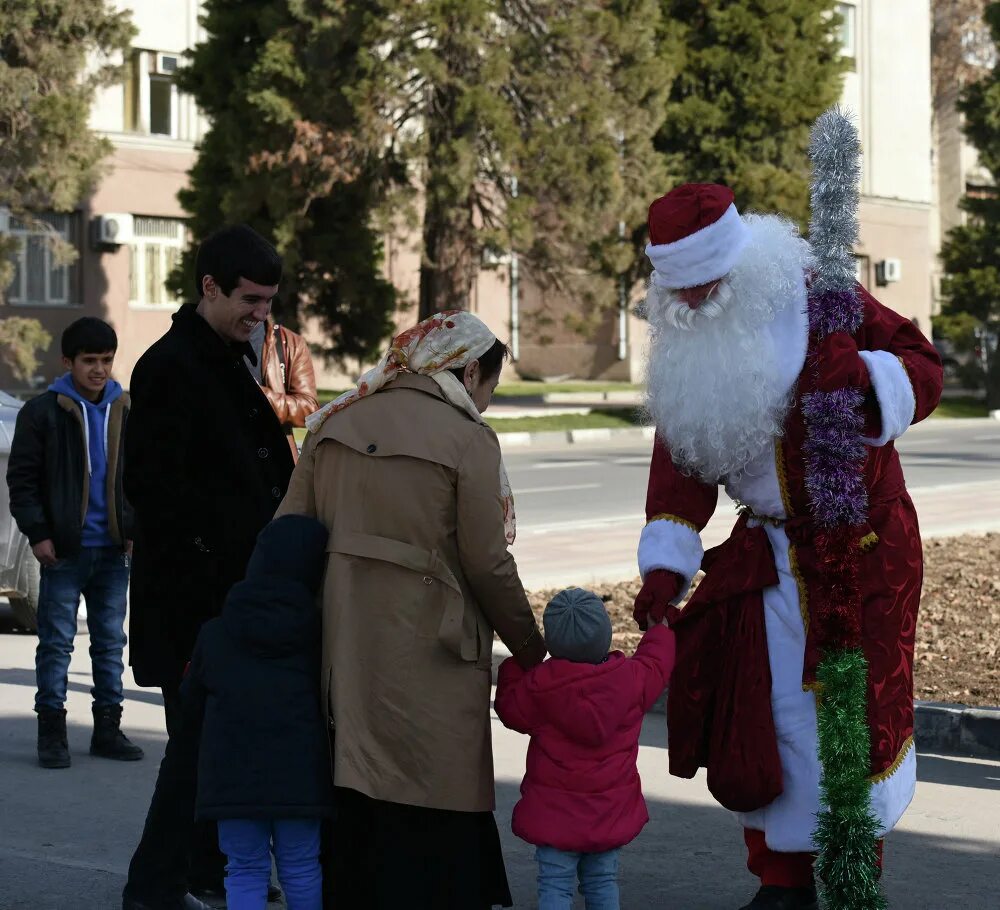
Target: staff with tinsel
846 830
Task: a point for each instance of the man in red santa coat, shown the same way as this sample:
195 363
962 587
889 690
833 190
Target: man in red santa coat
727 307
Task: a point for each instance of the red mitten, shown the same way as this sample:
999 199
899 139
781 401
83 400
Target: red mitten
840 364
660 587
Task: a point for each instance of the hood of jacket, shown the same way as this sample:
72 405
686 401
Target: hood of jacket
64 386
274 610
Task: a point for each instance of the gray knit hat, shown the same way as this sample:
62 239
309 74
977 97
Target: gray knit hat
577 627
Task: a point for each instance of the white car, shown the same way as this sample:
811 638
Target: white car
19 571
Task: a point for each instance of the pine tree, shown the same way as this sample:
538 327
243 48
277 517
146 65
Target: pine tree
335 123
971 253
54 54
754 75
286 154
559 100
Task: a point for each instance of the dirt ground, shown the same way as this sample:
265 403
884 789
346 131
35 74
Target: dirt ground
958 629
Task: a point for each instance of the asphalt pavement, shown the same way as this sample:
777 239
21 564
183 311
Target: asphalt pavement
580 508
67 835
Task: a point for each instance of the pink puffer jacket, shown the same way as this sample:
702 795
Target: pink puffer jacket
581 790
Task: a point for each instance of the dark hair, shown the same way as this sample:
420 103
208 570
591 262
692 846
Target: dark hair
489 364
88 335
236 252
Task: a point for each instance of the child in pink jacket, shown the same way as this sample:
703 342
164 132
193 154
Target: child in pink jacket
581 798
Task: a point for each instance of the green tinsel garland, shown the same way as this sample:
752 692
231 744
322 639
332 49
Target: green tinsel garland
847 868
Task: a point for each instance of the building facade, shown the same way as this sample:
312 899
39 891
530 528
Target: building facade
131 231
888 88
154 130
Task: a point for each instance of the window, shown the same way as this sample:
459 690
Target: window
150 94
39 280
848 29
862 264
153 254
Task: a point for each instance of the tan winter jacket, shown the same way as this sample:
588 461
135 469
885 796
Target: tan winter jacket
418 578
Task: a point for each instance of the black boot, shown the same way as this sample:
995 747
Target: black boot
53 749
108 740
771 897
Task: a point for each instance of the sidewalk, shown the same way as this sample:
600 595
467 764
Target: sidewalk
67 835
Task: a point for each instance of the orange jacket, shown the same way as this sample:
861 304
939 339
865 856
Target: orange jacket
289 381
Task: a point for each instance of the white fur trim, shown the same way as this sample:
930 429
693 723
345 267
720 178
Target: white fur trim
894 391
667 544
789 821
700 257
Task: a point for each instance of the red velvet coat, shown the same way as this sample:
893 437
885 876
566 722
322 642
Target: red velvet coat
581 790
719 709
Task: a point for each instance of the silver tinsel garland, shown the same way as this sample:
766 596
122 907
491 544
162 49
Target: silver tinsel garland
835 152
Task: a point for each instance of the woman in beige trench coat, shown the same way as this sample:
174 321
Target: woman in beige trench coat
410 483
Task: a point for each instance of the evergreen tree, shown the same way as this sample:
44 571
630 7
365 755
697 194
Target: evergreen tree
334 123
282 155
971 253
556 99
754 75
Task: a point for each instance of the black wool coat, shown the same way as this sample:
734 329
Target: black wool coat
253 686
206 465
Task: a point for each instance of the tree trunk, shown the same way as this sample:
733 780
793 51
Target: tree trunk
448 266
451 248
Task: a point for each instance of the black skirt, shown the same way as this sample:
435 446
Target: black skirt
384 856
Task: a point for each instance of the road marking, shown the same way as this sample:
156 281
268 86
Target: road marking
578 525
565 489
985 438
555 465
920 440
642 462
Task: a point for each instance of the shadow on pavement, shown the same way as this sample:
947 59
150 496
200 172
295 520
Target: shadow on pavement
692 858
19 676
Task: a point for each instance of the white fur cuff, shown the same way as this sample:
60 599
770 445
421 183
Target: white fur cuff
894 392
700 257
668 544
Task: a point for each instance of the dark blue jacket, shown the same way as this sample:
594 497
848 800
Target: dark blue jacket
254 681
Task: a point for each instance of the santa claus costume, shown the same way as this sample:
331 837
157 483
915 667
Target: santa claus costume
732 359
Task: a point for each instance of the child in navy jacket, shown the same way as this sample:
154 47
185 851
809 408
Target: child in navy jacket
263 762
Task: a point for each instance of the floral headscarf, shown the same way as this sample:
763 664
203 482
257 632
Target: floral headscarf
445 342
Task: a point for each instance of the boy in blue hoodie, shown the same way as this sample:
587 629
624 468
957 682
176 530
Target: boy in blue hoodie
65 480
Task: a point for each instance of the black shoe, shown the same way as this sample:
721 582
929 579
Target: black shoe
53 749
771 897
108 740
187 902
273 894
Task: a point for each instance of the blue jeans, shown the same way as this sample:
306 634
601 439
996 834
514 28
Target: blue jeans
558 871
101 575
247 844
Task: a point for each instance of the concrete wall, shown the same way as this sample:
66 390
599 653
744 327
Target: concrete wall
889 91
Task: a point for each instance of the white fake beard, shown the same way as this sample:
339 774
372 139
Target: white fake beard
714 389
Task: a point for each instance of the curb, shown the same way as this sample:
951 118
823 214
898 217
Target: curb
942 728
562 437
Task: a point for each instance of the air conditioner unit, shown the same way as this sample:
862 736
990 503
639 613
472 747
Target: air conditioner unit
167 64
493 258
888 271
112 230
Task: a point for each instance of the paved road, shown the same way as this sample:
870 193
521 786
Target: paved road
66 836
580 508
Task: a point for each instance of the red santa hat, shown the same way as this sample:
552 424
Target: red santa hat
695 235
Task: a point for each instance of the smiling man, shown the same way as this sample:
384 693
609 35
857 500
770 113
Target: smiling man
206 465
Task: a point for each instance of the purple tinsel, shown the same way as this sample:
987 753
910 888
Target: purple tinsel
835 311
834 455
